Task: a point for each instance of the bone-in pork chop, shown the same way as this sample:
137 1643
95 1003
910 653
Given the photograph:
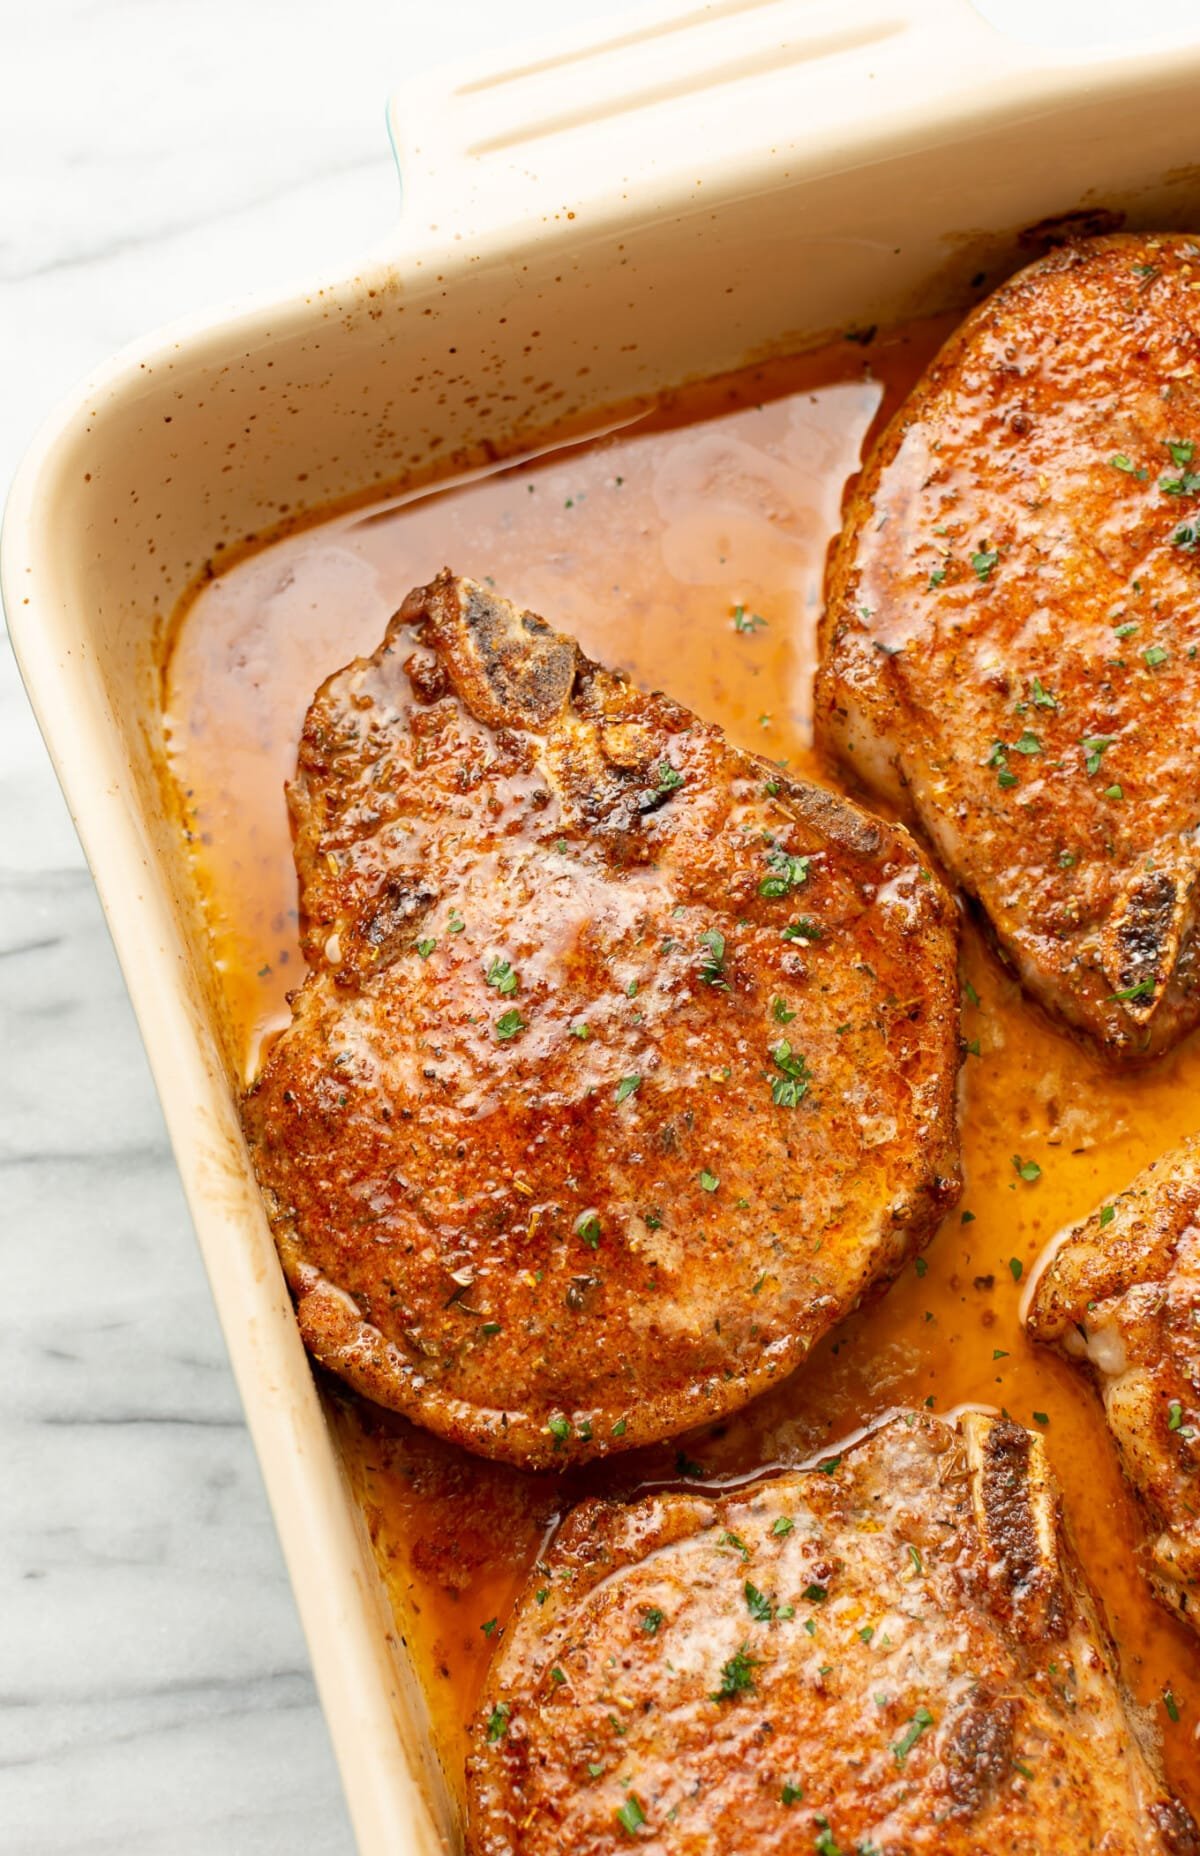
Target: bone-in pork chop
625 1065
1121 1292
1011 646
894 1653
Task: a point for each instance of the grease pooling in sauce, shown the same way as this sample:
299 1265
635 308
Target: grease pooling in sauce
688 548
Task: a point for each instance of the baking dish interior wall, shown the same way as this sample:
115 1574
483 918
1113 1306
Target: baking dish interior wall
454 351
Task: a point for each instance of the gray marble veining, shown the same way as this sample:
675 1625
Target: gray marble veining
155 1690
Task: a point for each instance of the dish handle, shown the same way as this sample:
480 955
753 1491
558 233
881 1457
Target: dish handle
615 111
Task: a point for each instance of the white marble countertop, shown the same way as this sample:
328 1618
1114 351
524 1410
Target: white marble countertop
155 1692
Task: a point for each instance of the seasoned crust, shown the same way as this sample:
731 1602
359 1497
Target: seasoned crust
1120 1292
841 1658
1009 646
625 1066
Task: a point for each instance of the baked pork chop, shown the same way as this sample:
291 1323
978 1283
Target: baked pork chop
625 1066
1009 649
896 1654
1121 1292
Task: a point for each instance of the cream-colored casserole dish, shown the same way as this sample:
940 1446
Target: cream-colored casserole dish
594 222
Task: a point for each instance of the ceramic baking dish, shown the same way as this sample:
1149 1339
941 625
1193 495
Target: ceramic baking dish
590 223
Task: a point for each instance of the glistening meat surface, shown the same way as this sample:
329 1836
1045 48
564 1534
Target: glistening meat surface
1121 1292
625 1065
1009 650
895 1652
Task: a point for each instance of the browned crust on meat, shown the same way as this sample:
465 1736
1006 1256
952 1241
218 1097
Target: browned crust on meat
1121 1291
713 1110
844 1659
1018 1516
1009 647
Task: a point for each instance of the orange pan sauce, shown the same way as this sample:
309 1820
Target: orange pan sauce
688 547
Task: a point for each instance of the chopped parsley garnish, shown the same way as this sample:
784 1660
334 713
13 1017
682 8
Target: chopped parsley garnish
815 1594
652 1619
790 1087
1107 1214
791 1793
1175 1416
757 1604
712 960
998 758
1143 990
1187 485
557 1677
580 1030
1095 747
829 1467
1115 791
1182 451
802 930
737 1676
708 1181
588 1228
983 561
936 577
1028 744
1029 1170
1127 630
1155 655
730 1539
866 1633
1017 1267
489 1329
628 1086
781 1525
1041 1417
1170 1704
501 976
1187 535
631 1817
425 948
781 1012
744 621
787 874
508 1025
497 1725
489 1627
912 1733
1041 697
668 778
825 1844
1121 462
914 1554
559 1427
686 1466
